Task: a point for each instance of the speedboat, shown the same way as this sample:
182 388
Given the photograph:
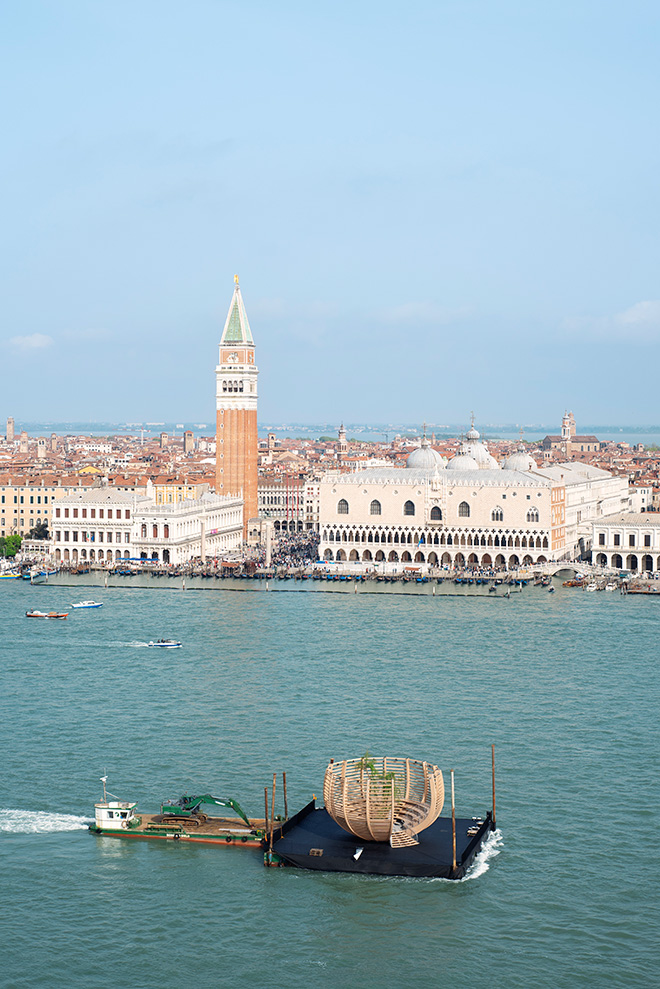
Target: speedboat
165 644
46 614
88 604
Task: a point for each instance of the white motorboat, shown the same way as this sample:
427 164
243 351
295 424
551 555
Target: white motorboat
610 586
88 604
165 644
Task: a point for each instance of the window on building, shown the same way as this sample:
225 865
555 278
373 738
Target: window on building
92 513
647 540
155 532
108 537
601 538
84 513
464 510
497 515
75 513
66 535
57 513
617 539
342 507
166 531
436 514
532 515
127 513
631 540
66 513
143 530
374 507
409 508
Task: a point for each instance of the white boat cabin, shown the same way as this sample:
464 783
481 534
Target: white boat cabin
114 814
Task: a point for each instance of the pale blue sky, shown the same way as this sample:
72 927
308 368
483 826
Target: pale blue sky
433 207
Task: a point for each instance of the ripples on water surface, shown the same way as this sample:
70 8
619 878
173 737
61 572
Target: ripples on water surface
566 685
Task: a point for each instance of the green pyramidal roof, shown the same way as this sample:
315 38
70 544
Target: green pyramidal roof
237 328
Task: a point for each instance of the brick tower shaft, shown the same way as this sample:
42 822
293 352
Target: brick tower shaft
236 405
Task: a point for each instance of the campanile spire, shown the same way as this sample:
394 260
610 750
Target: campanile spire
236 409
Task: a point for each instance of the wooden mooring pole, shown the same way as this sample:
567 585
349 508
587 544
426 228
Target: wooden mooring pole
453 824
286 806
266 814
492 756
272 813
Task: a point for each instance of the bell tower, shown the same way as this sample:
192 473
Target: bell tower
236 410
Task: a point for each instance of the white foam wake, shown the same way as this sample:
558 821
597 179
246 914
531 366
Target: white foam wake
490 848
39 822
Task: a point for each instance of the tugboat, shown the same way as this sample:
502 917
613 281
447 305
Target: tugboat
181 820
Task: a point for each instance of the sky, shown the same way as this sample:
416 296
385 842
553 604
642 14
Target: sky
433 208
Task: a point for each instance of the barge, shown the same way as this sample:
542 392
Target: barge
381 817
183 820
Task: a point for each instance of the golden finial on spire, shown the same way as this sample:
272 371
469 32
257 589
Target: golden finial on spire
235 279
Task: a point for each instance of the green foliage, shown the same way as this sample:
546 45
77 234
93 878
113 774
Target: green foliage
39 531
10 545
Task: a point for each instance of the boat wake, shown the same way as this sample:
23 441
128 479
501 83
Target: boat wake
488 851
39 822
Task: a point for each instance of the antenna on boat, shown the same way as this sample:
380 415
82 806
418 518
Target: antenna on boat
104 780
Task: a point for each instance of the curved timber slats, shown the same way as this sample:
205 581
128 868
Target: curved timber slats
384 799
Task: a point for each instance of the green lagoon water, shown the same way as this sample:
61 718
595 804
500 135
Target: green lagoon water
565 685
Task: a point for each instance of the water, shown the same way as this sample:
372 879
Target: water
566 685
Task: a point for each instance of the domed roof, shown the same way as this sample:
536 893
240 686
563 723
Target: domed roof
473 434
462 462
480 453
426 456
520 460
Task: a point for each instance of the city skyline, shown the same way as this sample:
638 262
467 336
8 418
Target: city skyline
431 210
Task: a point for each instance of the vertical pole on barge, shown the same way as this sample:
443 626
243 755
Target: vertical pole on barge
272 813
453 823
492 756
266 815
286 806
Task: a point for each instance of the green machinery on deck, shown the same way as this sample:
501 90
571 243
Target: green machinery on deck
189 808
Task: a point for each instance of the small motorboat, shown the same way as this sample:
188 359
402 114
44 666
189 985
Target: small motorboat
165 644
88 604
46 614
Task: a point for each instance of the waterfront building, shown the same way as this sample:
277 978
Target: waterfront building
236 410
102 524
468 511
628 540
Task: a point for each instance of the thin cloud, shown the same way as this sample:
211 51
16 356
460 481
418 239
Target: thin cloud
422 312
35 341
641 320
80 336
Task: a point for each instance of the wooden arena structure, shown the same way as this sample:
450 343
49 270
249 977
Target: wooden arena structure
384 798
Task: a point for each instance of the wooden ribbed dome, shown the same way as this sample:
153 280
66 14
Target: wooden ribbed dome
384 799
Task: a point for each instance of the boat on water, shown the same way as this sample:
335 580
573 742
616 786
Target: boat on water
165 644
46 614
610 586
381 817
88 604
10 576
181 820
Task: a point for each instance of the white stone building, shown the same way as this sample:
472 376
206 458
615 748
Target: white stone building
102 525
469 511
629 540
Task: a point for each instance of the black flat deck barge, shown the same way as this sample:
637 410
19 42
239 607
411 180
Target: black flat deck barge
313 840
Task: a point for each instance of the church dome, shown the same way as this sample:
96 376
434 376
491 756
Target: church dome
462 461
520 460
479 452
426 456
